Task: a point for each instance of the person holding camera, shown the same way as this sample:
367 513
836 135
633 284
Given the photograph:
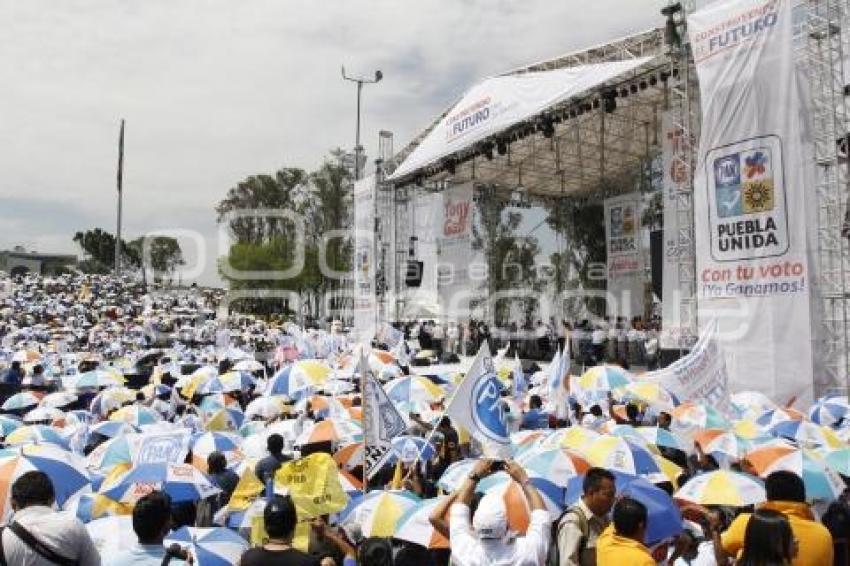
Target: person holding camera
484 539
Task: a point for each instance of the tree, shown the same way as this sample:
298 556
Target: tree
99 246
165 254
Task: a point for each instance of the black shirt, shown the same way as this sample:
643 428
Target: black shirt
290 557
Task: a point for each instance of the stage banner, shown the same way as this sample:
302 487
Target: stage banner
753 178
454 251
365 300
678 252
625 260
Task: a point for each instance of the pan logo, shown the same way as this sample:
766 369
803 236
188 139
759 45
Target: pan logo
488 411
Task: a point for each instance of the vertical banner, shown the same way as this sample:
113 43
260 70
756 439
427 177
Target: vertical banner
454 246
753 178
625 260
678 253
365 300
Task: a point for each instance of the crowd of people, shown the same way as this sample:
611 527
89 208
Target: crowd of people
94 367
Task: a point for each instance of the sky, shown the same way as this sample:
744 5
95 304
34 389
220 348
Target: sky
214 91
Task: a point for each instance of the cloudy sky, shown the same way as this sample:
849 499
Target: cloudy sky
214 91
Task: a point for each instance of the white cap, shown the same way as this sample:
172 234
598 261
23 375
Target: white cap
490 520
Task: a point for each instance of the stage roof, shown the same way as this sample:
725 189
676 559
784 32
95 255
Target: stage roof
566 95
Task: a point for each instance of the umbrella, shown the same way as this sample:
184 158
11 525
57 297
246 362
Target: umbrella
516 507
378 512
215 401
829 411
650 392
8 424
410 448
751 403
722 487
695 415
111 429
136 415
349 456
67 472
89 507
595 383
110 399
206 443
555 464
721 442
806 433
773 417
663 521
265 407
324 406
215 546
313 372
226 419
58 400
237 381
99 378
289 383
252 428
43 414
36 434
660 437
454 475
152 390
19 401
182 482
821 481
624 456
331 430
113 452
576 437
414 389
248 365
415 526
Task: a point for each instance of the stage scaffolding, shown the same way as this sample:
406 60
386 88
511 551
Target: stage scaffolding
593 153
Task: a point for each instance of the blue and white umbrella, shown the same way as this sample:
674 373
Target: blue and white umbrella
289 383
183 482
216 546
829 411
20 401
99 378
454 475
410 448
111 429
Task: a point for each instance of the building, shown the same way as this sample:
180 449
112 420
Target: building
18 261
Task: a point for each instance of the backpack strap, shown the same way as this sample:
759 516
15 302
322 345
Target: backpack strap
39 547
2 550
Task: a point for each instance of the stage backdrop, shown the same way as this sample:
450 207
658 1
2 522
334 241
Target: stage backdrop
625 258
752 183
454 251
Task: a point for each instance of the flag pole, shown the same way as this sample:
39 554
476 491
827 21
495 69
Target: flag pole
120 183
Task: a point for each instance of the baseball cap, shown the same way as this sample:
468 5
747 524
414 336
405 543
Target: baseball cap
490 520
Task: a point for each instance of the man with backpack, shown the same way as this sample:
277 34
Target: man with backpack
575 533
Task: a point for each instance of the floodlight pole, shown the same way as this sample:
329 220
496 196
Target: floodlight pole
358 149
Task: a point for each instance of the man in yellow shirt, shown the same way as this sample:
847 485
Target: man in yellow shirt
621 544
786 493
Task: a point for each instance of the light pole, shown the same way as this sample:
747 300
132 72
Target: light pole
358 149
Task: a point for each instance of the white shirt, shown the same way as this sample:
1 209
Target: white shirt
61 532
469 550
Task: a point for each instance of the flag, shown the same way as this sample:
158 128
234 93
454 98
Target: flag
519 378
390 336
555 372
313 484
478 407
381 422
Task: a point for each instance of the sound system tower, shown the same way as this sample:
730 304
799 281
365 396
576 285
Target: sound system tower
413 277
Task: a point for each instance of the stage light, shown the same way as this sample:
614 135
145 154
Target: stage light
545 126
653 80
665 76
595 103
643 85
501 146
487 150
451 166
633 88
580 110
573 113
610 99
624 92
675 72
671 29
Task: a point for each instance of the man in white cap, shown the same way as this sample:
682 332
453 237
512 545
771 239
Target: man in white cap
486 540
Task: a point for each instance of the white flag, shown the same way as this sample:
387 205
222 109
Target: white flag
381 422
477 406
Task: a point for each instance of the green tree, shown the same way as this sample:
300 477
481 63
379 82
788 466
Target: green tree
165 254
99 247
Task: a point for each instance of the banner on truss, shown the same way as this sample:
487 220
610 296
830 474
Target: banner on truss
624 255
754 174
364 296
454 251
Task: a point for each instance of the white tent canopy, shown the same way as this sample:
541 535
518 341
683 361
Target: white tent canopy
500 102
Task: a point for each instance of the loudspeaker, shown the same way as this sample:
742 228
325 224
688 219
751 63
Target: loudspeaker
413 277
656 261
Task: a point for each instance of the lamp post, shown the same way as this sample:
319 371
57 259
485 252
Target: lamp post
358 149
